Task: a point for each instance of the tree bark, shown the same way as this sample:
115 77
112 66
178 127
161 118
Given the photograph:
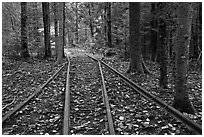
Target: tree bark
24 42
46 21
134 38
60 38
173 47
36 24
109 24
69 37
90 21
163 81
162 48
77 35
86 36
181 98
153 32
56 27
126 56
105 22
64 34
200 29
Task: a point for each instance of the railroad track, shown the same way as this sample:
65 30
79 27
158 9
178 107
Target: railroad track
89 109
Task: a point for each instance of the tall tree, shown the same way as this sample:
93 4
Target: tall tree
36 24
134 38
56 26
181 97
153 31
64 34
90 20
200 28
76 31
162 47
195 45
46 21
109 24
24 43
105 22
60 39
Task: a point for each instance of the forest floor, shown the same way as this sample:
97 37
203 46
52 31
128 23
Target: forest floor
21 78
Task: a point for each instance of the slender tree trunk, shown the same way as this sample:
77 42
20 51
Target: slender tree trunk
173 47
153 31
200 30
171 39
109 24
69 37
86 36
134 38
56 26
76 25
36 24
24 42
126 56
90 21
60 38
163 81
117 37
195 44
105 22
181 98
46 20
162 48
64 34
194 36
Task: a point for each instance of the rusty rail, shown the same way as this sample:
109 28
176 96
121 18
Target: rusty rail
194 126
66 121
37 92
106 101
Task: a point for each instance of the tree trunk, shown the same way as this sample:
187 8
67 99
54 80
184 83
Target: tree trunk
153 31
56 27
173 48
90 21
194 37
36 25
134 38
69 37
117 36
109 24
77 37
105 22
86 36
200 29
64 34
46 21
195 45
60 38
181 98
163 81
126 56
24 42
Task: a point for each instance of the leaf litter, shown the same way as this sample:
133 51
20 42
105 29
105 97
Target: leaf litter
88 114
42 114
158 118
132 113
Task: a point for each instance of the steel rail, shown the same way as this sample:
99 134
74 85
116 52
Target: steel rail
66 120
106 101
38 91
177 114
